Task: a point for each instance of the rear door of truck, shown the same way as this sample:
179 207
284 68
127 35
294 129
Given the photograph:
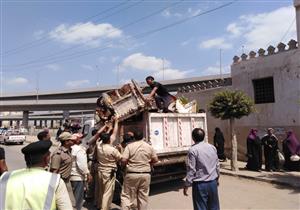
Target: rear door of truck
171 132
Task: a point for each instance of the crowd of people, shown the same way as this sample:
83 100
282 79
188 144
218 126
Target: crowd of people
73 168
268 145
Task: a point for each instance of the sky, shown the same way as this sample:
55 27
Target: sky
65 45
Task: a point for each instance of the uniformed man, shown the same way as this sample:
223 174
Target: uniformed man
33 187
61 161
107 157
138 157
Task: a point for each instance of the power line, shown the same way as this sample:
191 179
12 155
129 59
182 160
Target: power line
288 30
57 53
141 35
43 40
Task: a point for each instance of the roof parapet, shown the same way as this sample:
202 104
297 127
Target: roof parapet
271 50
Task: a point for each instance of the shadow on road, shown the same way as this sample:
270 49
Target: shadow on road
159 188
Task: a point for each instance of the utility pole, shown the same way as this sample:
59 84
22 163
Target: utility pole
163 68
1 52
118 74
37 86
98 76
221 74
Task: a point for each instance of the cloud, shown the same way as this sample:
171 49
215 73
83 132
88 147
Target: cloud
115 59
263 29
153 65
39 34
167 13
234 30
88 67
215 43
215 69
17 81
185 43
171 74
85 33
77 83
102 59
53 67
145 63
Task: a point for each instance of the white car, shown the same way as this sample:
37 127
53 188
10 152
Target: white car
12 137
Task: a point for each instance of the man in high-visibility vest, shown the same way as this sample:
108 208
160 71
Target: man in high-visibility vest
33 187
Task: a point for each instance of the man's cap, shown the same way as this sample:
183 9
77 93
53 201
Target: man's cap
37 148
64 136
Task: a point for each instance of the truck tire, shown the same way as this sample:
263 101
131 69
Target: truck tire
22 142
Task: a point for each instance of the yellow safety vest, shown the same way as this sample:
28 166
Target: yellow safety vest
30 188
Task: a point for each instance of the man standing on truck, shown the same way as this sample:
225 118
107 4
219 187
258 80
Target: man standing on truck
202 173
163 99
138 157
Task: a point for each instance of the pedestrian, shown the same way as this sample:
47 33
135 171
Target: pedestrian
164 100
3 166
61 161
44 135
291 147
270 144
80 174
59 131
33 187
107 157
254 151
203 173
219 141
138 157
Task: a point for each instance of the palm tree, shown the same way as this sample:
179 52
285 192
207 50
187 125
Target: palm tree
231 105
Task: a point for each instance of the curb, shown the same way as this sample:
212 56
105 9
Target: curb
260 179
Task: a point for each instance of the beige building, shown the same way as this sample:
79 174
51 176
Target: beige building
272 78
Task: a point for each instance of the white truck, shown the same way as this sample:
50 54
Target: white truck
168 133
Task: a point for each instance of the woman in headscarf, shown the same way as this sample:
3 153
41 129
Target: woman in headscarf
219 143
291 146
254 151
270 143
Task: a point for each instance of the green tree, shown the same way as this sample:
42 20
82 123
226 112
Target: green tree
231 105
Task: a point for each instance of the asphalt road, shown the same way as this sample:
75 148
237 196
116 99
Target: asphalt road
234 193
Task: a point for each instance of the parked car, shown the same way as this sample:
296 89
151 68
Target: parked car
12 137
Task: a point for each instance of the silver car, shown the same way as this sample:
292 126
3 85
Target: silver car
12 137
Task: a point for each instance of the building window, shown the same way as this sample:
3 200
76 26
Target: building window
264 90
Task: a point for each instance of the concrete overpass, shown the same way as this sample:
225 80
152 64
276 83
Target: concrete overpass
171 85
85 99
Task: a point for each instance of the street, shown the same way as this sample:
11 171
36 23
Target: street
234 193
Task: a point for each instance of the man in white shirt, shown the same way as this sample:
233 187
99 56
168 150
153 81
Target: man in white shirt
80 172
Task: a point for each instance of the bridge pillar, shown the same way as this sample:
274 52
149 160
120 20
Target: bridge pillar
0 123
51 124
41 123
46 125
60 123
25 118
34 123
18 123
66 114
10 123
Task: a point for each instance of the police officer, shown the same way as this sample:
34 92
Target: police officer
107 157
61 161
138 157
33 187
